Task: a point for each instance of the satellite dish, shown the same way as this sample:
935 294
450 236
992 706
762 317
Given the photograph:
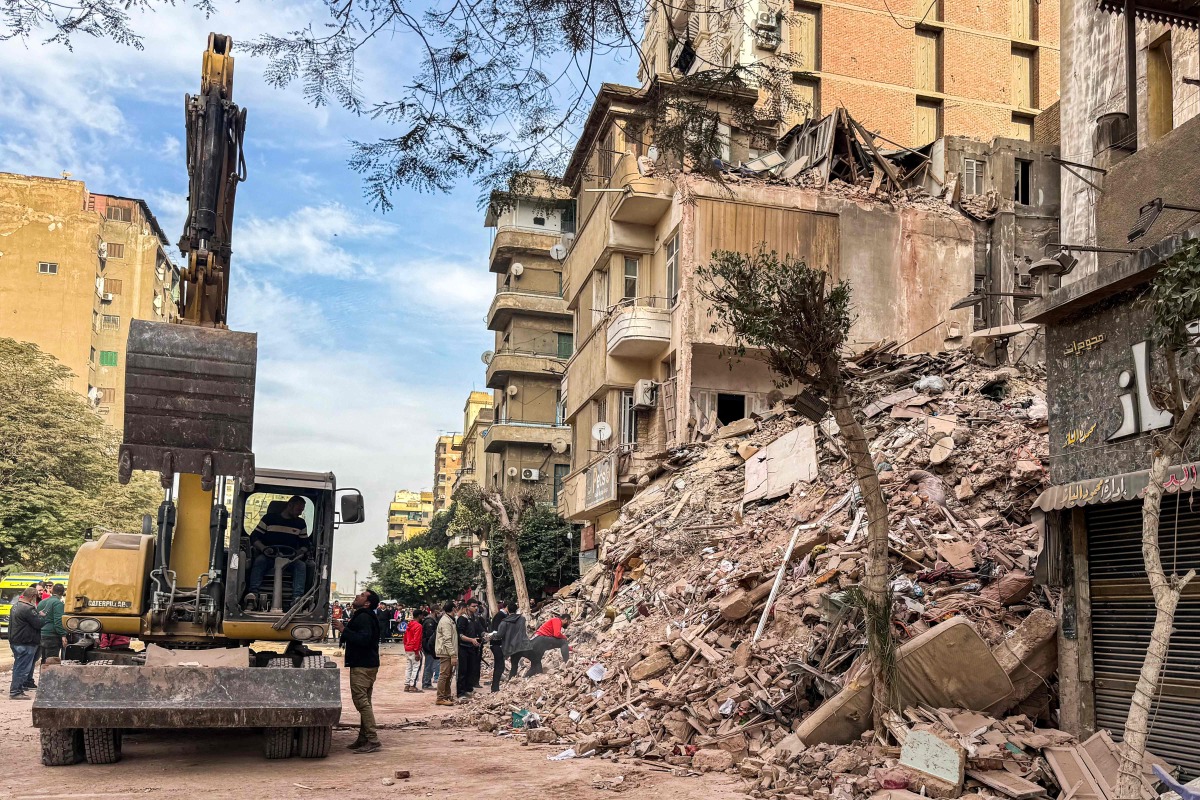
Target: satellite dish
559 445
558 252
487 357
601 431
512 472
512 391
517 269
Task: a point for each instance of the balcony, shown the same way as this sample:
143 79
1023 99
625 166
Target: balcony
509 362
591 491
639 328
511 241
599 237
644 200
506 304
514 432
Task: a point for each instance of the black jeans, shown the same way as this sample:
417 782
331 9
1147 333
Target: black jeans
538 647
469 659
497 667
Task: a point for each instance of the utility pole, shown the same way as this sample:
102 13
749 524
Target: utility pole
356 583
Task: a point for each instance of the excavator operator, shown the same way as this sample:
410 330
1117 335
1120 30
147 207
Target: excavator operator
281 532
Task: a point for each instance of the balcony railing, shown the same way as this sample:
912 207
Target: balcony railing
639 327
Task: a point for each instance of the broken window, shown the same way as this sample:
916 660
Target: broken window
672 256
1021 170
730 407
628 418
973 175
119 213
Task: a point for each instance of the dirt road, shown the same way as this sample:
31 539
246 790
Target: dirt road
445 762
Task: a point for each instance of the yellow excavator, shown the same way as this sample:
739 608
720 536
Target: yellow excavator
198 586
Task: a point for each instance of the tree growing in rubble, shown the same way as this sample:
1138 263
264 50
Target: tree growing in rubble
497 88
797 319
1174 302
500 515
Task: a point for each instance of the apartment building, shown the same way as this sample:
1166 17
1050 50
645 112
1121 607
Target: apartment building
477 419
447 458
75 268
913 70
649 372
529 437
409 515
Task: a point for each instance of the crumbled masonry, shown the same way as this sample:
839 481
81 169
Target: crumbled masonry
672 606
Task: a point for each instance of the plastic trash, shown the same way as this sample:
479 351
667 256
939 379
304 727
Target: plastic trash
564 755
727 708
931 384
597 672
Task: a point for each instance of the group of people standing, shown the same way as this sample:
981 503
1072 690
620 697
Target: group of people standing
35 626
447 647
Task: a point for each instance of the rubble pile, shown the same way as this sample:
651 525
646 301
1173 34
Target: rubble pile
722 626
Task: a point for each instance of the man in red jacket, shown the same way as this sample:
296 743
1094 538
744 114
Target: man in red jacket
412 651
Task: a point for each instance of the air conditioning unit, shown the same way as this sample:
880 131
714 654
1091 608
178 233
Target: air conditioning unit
767 21
530 474
102 251
767 40
1025 281
645 394
106 297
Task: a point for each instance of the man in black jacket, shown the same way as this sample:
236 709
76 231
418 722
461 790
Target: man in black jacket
470 648
433 667
362 659
497 645
24 636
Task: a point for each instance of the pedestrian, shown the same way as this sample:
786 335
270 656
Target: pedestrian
446 648
433 667
54 635
548 637
470 648
384 617
495 642
514 638
361 637
24 636
412 651
337 615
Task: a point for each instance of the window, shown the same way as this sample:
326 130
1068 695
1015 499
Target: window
929 60
119 213
560 475
566 217
108 358
628 418
108 396
91 355
604 158
110 322
928 120
730 407
601 410
158 304
112 286
96 321
631 278
599 296
560 407
566 345
972 175
47 268
115 249
808 96
672 251
1021 170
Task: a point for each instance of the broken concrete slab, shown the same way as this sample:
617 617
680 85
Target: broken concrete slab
652 666
737 428
158 656
960 555
937 764
947 666
774 470
715 760
1029 656
1007 784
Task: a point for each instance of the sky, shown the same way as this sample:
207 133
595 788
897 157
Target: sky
370 324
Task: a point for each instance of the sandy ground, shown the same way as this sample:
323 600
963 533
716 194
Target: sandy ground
445 762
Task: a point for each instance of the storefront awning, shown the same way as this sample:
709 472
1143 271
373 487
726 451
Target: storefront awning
1116 488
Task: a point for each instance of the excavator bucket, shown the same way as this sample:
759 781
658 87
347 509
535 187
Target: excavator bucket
189 401
106 696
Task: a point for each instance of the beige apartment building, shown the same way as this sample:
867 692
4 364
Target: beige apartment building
529 437
912 70
447 458
477 418
409 515
75 268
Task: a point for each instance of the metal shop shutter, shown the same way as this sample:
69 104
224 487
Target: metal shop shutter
1123 614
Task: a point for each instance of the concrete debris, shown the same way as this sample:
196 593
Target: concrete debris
685 573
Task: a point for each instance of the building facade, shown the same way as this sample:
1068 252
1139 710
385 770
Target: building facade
477 419
650 372
447 458
529 437
75 268
914 70
409 515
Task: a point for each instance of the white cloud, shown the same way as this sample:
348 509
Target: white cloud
458 293
315 240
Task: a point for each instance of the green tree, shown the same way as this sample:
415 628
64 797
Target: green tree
549 550
797 318
58 465
1174 304
418 575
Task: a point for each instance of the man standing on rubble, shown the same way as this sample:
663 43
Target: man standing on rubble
514 638
496 643
470 648
550 636
446 648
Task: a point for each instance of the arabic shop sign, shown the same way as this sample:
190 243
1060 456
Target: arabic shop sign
1118 488
600 482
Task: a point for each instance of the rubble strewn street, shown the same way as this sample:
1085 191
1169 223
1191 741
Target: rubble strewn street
679 659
